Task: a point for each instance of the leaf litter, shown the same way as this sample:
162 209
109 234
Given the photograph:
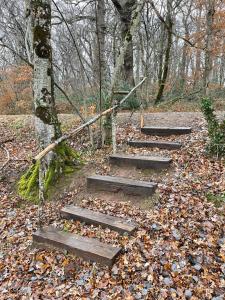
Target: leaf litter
177 252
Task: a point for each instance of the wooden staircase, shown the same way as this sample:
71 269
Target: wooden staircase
87 248
165 131
92 249
88 216
155 144
141 162
120 184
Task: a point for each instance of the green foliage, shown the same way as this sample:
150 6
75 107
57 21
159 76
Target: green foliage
216 130
66 161
217 200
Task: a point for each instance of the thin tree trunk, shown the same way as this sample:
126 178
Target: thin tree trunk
162 82
210 6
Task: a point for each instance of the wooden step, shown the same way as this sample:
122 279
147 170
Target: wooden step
87 248
116 184
155 144
165 131
91 217
142 162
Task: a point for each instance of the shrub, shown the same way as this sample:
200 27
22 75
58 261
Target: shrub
216 129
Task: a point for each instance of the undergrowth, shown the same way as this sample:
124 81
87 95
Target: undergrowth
216 129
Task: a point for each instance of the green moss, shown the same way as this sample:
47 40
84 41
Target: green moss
66 161
28 183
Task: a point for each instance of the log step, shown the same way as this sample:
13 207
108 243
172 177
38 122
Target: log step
91 217
165 131
155 144
116 184
142 162
87 248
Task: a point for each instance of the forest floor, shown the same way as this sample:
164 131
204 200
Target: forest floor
178 251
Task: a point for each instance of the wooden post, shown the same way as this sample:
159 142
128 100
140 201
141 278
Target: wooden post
114 131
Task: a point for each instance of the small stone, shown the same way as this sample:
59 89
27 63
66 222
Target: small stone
221 297
174 267
182 263
147 285
221 241
80 282
33 278
188 294
115 270
195 278
197 267
138 296
168 281
155 227
176 234
144 292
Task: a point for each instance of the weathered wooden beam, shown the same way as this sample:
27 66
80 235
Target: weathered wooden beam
142 162
155 144
165 131
117 184
87 248
92 217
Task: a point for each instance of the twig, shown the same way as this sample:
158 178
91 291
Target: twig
6 141
8 157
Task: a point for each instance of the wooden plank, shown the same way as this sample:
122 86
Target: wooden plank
165 131
142 162
91 217
87 248
117 184
121 92
155 144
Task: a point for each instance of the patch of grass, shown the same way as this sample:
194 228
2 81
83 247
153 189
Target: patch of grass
217 200
17 124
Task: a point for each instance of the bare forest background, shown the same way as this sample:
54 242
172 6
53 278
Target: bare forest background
179 46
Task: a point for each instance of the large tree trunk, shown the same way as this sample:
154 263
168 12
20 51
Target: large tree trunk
210 7
47 125
125 9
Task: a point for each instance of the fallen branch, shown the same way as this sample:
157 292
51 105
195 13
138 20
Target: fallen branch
6 141
8 157
87 124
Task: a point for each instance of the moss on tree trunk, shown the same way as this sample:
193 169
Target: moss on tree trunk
65 160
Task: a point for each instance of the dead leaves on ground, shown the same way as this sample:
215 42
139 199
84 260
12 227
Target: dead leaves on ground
178 251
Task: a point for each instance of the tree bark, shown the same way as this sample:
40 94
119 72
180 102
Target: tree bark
46 121
163 79
125 9
47 126
210 7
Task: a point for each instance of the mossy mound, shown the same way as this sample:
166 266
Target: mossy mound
66 160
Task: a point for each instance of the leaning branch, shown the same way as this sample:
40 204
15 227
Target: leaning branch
87 124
